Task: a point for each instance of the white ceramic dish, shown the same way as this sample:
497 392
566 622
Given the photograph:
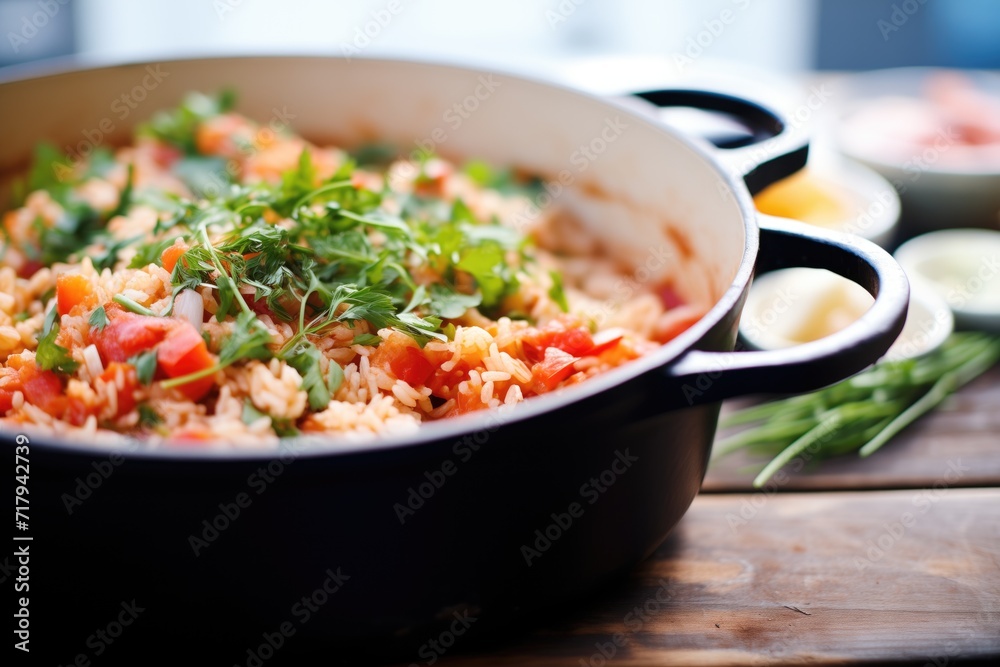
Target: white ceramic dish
963 267
943 185
793 306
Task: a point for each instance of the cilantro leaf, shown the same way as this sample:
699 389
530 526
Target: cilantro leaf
486 264
450 304
98 319
148 416
334 378
306 362
70 233
282 427
49 356
460 213
145 366
249 340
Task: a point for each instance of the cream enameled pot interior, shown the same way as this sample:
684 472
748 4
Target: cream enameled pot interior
654 201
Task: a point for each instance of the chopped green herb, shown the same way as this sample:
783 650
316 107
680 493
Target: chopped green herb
557 293
145 366
249 340
450 304
148 416
108 257
379 155
486 264
98 319
49 356
125 200
306 361
284 428
334 377
179 127
366 339
204 176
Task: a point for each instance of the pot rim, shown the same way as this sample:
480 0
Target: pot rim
452 428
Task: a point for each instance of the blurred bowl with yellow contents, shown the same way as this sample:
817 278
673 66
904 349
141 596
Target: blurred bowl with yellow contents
836 193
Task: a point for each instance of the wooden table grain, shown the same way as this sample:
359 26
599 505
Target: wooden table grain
893 559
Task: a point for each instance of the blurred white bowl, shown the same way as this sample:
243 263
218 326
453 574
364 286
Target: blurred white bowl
943 182
963 267
795 306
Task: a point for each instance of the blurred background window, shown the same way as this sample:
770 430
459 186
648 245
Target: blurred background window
780 35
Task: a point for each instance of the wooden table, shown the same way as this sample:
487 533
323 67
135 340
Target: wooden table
891 559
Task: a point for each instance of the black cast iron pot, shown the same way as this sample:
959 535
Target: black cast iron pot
473 521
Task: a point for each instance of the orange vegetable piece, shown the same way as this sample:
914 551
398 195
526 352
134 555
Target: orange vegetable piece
72 290
171 254
182 352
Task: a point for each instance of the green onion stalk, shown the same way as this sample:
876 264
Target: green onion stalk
861 413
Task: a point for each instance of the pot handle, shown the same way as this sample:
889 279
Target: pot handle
772 151
705 376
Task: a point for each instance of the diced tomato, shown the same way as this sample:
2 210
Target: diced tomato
412 367
535 341
259 306
43 389
171 254
553 369
675 322
468 402
7 390
576 341
77 411
126 393
71 290
182 352
29 268
401 356
6 399
128 334
443 383
607 339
